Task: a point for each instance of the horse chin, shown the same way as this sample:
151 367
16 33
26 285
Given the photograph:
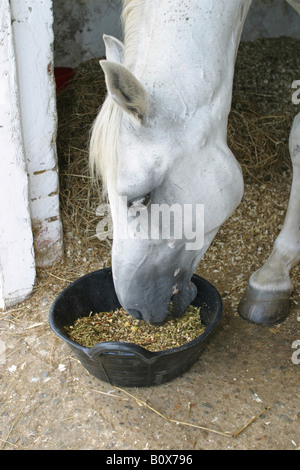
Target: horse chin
159 313
147 317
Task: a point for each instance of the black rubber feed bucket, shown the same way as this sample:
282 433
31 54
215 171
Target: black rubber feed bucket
127 364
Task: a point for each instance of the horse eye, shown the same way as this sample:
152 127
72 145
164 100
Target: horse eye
141 201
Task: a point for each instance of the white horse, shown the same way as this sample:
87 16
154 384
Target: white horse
160 140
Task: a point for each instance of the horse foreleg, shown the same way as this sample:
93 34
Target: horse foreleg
266 300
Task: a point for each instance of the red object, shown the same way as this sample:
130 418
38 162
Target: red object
63 77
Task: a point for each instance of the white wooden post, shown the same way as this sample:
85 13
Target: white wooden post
17 264
30 225
33 39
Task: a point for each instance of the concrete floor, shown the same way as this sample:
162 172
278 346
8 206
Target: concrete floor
49 401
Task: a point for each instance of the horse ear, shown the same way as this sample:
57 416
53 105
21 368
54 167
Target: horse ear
114 49
125 89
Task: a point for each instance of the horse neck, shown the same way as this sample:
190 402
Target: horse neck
192 41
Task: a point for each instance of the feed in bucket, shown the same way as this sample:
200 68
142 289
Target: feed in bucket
118 325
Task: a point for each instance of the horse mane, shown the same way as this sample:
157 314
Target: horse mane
106 127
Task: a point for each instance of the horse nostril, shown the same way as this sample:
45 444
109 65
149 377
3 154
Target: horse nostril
135 314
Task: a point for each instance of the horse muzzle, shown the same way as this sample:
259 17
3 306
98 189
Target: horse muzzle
150 299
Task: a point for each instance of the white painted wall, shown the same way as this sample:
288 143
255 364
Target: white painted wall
80 24
17 265
30 226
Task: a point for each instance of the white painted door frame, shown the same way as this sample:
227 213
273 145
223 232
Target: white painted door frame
30 224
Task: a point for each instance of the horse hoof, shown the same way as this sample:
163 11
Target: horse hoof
264 307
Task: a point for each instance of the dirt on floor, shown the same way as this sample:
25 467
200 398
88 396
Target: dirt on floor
49 401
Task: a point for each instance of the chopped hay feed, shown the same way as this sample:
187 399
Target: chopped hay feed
118 325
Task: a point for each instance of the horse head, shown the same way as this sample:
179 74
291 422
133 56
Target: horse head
160 144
